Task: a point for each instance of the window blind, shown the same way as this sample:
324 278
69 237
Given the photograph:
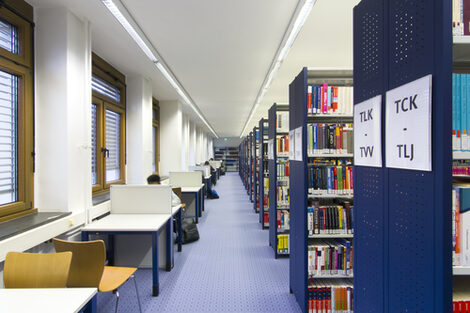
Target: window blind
106 89
113 143
8 137
94 169
9 37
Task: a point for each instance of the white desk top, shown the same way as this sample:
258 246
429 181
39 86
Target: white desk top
207 177
50 300
129 222
175 209
192 189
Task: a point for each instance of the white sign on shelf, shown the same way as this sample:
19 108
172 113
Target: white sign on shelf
368 132
271 149
298 146
292 145
409 126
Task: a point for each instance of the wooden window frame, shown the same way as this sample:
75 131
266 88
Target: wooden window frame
156 123
20 65
105 71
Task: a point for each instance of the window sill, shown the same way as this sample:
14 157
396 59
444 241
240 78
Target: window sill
101 198
22 224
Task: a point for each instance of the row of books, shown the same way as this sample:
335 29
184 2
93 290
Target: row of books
460 17
330 258
330 180
326 99
282 144
283 219
282 121
283 244
324 298
461 167
283 196
282 169
460 112
330 219
460 224
461 307
330 138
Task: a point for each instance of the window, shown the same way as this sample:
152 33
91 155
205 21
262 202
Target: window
155 136
16 112
108 126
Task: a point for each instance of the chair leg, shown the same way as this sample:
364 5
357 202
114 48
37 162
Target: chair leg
137 293
117 301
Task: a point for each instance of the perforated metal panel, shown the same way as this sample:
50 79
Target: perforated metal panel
403 233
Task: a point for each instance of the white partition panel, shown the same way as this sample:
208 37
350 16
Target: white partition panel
215 164
140 199
205 169
185 179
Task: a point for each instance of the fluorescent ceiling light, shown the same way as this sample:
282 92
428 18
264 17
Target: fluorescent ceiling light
130 29
151 53
287 42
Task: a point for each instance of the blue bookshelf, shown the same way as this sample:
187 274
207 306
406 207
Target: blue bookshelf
299 279
276 234
255 169
263 174
410 229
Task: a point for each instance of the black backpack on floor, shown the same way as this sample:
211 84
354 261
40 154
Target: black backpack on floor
190 232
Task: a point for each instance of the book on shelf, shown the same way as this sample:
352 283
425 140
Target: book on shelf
330 219
283 243
330 297
283 144
460 112
327 99
282 196
282 169
330 258
266 218
461 306
283 219
461 224
461 167
330 138
330 180
460 17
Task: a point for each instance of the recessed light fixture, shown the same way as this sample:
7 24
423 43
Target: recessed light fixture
298 20
139 37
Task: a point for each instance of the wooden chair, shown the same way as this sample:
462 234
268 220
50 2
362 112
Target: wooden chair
177 191
88 268
36 270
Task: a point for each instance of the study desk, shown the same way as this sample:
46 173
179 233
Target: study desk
48 300
134 224
199 197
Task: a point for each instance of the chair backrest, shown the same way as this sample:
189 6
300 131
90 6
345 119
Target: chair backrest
88 261
177 191
36 270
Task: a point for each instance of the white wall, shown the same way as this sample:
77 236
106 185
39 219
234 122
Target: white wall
171 135
62 111
139 129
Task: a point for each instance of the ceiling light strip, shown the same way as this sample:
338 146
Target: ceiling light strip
298 20
126 20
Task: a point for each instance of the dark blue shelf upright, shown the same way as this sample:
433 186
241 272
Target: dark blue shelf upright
275 182
263 174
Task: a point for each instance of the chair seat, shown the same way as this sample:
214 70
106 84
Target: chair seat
115 276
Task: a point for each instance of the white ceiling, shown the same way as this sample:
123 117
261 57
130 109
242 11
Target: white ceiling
219 50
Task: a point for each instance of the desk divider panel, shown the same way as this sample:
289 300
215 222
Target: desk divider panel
140 199
185 179
215 164
204 168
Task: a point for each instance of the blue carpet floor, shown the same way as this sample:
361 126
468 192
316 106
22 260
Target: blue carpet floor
230 269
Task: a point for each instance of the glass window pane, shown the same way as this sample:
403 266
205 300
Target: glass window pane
94 148
8 138
9 37
113 144
154 152
106 89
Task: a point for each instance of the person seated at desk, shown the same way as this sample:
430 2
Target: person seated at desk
211 194
155 180
213 180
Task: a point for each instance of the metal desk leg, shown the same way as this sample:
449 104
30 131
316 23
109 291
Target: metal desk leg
203 192
84 236
169 244
198 203
155 288
196 213
180 229
110 252
92 305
